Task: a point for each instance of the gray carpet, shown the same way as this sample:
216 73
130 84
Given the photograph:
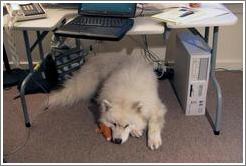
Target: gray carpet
69 135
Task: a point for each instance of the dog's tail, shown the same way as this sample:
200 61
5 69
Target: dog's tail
84 83
81 87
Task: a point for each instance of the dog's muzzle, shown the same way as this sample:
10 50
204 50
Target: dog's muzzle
117 140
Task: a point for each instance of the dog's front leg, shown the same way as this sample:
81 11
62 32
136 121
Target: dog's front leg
136 132
154 131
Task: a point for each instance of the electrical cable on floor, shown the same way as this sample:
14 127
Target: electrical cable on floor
6 155
28 129
20 147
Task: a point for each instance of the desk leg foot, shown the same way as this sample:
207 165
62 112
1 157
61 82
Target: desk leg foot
216 132
28 124
23 100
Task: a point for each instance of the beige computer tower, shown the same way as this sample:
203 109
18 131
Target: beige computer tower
191 72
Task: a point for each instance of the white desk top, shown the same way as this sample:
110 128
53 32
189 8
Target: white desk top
223 20
142 25
53 20
146 25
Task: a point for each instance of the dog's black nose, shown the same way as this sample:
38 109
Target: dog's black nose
118 140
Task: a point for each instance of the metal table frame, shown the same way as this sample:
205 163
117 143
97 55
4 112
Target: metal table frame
40 36
217 118
29 49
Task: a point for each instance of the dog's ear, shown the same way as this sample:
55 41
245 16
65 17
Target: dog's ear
137 106
106 105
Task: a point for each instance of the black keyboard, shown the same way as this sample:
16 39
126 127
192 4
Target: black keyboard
98 21
96 27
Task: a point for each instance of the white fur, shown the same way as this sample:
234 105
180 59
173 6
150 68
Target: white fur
132 93
128 96
86 81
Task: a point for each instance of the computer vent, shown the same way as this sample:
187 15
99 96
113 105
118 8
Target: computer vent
203 70
200 69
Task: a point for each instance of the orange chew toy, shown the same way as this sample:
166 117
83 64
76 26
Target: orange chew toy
106 131
195 5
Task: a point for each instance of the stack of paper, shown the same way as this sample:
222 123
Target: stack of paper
184 15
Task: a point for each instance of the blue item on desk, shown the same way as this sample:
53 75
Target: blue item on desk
126 10
101 21
187 14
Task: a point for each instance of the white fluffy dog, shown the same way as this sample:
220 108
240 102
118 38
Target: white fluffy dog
128 96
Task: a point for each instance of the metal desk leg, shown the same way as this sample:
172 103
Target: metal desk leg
23 85
23 100
41 52
206 36
6 61
77 41
146 47
28 50
215 83
214 123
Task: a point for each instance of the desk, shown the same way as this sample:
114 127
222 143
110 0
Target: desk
223 20
142 26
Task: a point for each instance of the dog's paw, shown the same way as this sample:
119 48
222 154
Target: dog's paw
137 133
154 141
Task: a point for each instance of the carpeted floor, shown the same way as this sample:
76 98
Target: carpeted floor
69 135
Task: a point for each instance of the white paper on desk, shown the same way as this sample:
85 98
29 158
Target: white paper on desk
208 13
173 15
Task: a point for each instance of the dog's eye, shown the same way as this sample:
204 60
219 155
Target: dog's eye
126 126
114 124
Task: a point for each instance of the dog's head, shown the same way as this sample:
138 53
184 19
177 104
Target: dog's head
122 118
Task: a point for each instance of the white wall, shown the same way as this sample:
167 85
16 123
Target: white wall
230 48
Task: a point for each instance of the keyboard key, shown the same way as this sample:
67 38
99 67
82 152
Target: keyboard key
98 21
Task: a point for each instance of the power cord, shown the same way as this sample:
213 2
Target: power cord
163 71
160 68
20 147
28 129
150 54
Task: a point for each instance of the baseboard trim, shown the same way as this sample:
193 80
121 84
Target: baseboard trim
23 64
229 65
